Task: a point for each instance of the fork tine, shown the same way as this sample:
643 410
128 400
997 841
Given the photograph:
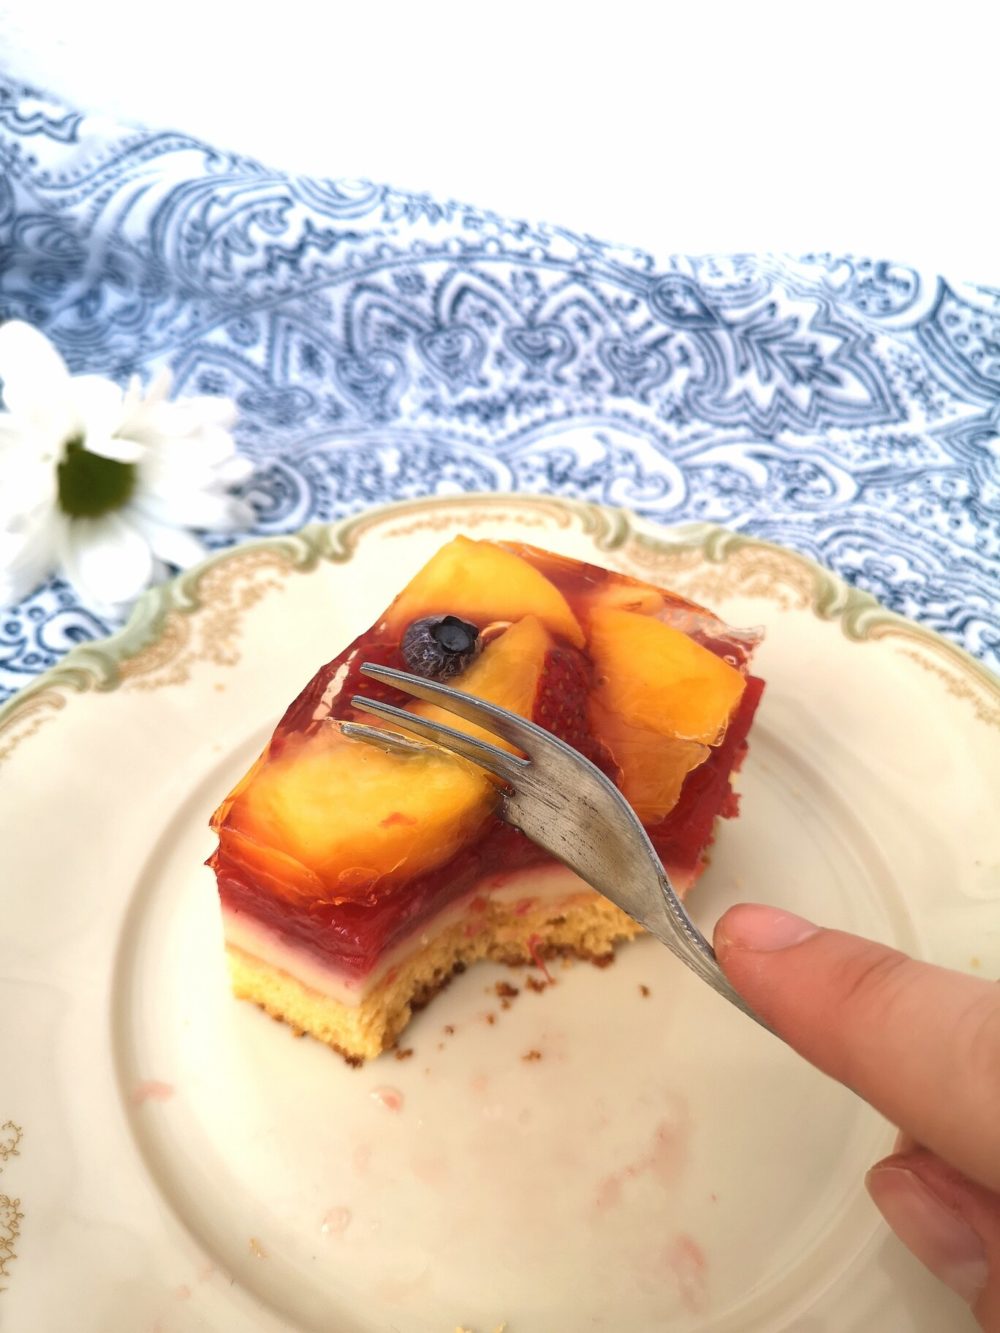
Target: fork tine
389 740
488 716
504 765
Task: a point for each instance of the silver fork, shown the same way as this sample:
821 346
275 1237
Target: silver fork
562 802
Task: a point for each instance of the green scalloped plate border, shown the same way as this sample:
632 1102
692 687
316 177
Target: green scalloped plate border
97 666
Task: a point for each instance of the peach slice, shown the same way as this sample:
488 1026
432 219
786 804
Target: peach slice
482 582
590 585
351 814
623 594
653 676
653 766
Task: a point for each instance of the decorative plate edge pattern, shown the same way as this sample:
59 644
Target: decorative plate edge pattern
157 646
11 1213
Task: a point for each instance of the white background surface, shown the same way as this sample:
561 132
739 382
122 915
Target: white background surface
870 128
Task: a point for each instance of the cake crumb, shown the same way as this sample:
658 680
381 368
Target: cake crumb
490 1017
403 1052
532 1055
449 1029
505 990
256 1249
537 984
644 991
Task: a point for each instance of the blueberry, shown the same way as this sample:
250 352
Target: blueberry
439 647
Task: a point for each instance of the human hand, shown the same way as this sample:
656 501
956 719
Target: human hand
918 1042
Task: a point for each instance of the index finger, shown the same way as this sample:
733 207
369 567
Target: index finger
920 1043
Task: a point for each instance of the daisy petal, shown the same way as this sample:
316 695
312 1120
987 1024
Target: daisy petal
26 558
176 546
32 371
195 509
28 484
99 405
116 447
231 471
186 454
106 559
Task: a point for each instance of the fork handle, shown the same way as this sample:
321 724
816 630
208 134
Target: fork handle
686 942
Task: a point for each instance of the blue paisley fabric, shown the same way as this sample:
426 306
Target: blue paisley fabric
383 345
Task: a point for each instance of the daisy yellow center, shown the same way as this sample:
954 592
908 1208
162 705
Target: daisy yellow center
89 485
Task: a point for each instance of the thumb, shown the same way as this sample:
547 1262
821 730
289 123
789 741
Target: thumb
918 1042
951 1224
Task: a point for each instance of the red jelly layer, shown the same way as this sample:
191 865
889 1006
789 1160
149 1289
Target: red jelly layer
682 838
352 937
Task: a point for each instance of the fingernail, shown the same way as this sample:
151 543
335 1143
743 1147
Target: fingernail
764 929
938 1237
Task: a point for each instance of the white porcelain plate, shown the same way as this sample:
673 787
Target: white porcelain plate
173 1161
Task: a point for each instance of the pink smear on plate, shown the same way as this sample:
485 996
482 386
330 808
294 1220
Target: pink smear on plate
362 1157
663 1161
152 1091
430 1168
686 1259
609 1192
336 1221
390 1098
668 1153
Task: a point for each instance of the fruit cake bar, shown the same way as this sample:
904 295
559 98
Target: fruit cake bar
355 882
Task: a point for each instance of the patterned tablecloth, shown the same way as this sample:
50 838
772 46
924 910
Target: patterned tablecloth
383 345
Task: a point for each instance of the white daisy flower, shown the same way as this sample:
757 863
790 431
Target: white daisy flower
103 484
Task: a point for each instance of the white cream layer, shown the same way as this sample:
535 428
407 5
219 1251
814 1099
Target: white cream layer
553 885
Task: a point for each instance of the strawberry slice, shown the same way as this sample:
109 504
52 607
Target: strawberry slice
561 704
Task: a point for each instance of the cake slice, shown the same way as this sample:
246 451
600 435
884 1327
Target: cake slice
354 882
